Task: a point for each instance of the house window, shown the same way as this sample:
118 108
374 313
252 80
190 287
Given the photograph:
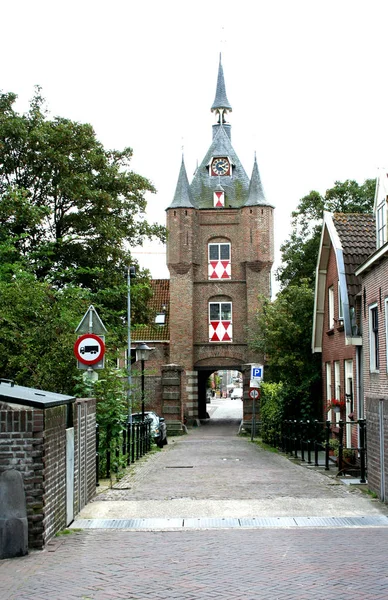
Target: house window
220 321
331 306
337 385
381 224
219 265
328 382
373 338
340 308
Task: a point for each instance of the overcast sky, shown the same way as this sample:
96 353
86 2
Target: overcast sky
307 81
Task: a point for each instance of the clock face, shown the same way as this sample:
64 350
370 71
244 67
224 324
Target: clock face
220 166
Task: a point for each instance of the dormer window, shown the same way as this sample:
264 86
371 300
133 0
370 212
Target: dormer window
160 319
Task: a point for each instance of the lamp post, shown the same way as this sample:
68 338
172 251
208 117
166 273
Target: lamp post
131 273
142 354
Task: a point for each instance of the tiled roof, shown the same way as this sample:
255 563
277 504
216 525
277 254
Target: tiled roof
153 332
357 234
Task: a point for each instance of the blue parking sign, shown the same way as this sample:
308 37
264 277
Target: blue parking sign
257 372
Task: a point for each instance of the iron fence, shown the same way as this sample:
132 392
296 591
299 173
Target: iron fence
342 443
132 443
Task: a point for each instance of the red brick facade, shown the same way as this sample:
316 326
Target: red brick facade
375 294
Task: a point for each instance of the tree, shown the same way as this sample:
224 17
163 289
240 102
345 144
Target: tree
69 212
300 251
284 336
79 206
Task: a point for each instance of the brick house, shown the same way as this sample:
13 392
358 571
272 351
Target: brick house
346 241
219 254
374 275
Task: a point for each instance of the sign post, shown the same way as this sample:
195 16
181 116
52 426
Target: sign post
89 349
257 372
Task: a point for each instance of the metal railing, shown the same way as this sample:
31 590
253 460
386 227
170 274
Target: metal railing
131 444
307 440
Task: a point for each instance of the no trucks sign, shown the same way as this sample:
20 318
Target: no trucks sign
89 349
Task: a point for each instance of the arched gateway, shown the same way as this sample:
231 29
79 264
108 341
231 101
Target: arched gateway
219 254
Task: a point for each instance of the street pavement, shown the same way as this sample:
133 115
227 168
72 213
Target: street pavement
259 526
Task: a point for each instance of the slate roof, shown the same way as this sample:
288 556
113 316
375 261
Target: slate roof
153 332
203 186
357 234
221 100
256 192
182 197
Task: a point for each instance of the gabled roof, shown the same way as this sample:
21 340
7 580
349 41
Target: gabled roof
203 186
352 238
159 299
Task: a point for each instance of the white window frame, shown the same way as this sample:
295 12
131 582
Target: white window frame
337 386
340 307
328 382
381 223
219 244
330 300
220 319
373 340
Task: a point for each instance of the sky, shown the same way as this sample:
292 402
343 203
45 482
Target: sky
307 81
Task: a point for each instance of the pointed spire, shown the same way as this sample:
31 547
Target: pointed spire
182 196
221 101
255 193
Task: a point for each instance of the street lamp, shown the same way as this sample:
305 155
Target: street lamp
131 273
142 354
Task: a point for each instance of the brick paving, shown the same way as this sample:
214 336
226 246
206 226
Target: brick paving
267 564
304 563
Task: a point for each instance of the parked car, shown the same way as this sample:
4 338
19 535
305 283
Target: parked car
158 426
237 394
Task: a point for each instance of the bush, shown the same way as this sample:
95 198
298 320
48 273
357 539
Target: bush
272 406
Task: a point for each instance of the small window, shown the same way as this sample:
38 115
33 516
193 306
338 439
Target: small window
340 308
219 251
160 319
331 307
373 338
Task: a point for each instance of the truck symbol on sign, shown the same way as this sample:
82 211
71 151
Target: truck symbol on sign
89 349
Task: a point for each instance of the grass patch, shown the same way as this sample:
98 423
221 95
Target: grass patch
259 442
67 531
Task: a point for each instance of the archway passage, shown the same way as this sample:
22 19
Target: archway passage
220 393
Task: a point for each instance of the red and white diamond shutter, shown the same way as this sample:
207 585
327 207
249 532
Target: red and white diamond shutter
220 322
219 266
219 199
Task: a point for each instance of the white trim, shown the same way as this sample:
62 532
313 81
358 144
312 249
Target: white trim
378 255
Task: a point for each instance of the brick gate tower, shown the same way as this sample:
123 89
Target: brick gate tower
219 254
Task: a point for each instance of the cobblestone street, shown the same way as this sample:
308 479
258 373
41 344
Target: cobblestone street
212 472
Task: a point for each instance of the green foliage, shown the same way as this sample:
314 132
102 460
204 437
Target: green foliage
300 251
272 411
69 212
284 336
110 391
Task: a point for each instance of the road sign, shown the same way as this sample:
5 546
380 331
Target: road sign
257 372
91 323
254 393
89 349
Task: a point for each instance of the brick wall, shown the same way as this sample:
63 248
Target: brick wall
375 290
33 441
84 452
